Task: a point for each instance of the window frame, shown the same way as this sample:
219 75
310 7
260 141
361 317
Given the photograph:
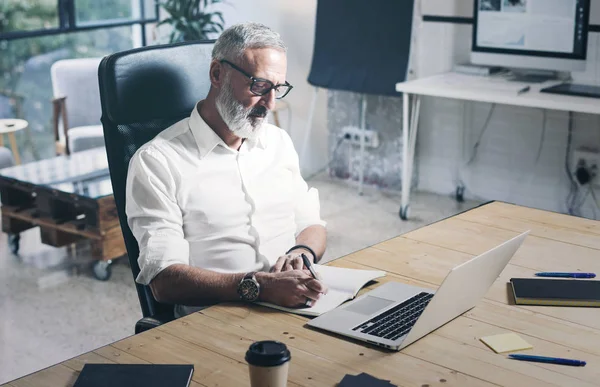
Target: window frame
68 23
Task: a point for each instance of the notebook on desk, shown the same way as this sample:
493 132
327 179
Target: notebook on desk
343 285
556 292
135 375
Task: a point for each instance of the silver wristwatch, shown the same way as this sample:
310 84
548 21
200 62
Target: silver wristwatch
248 288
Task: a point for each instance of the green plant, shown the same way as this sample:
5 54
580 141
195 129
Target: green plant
190 20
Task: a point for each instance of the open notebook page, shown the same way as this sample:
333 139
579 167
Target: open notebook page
343 285
348 281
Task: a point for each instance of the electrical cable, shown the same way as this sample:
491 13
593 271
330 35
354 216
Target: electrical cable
481 133
573 191
320 170
460 180
577 207
542 137
596 202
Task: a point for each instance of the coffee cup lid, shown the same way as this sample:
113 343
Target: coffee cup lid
268 353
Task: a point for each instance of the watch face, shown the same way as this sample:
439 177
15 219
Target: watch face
248 290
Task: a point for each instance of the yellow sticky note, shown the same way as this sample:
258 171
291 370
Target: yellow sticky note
506 342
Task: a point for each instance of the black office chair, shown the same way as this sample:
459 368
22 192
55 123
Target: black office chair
142 92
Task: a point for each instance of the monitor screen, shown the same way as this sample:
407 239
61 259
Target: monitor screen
544 28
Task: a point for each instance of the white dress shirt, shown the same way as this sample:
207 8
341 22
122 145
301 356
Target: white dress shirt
192 200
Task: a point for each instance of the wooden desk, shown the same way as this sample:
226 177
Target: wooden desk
216 339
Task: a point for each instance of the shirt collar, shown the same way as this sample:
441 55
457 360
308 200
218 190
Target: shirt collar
207 139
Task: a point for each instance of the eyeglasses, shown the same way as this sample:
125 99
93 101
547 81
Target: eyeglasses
262 86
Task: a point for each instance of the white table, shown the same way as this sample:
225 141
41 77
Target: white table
9 126
473 88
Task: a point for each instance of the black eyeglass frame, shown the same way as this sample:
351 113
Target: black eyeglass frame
254 80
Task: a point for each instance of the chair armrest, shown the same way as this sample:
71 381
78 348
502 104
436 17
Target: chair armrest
59 110
148 323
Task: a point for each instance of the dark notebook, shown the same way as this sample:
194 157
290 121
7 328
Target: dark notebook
134 375
557 292
574 89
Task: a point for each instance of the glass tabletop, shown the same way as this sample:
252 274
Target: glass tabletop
83 173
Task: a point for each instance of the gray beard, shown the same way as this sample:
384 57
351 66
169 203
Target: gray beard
236 117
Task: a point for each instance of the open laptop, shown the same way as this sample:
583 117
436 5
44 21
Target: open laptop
395 315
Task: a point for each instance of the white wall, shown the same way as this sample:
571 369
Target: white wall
295 21
505 168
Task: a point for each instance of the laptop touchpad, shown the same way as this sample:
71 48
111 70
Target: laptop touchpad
369 305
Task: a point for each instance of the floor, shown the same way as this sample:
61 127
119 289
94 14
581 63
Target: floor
52 308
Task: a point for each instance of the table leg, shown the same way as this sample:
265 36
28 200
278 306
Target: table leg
14 243
13 144
410 120
414 125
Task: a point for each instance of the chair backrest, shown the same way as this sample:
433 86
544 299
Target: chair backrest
76 79
142 92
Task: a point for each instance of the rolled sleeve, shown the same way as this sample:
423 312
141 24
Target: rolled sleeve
153 214
307 208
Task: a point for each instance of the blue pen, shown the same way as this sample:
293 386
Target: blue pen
566 275
551 360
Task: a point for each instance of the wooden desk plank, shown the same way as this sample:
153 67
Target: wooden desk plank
536 252
508 211
395 365
464 327
410 258
401 369
116 355
548 231
484 364
232 342
460 235
210 368
538 325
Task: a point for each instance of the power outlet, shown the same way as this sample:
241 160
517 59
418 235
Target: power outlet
589 159
353 134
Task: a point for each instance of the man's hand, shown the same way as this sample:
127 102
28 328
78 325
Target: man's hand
290 288
291 261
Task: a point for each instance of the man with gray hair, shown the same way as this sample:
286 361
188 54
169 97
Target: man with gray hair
216 201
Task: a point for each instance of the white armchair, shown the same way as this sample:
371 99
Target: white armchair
76 105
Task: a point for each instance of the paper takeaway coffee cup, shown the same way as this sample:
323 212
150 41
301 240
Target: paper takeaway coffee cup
268 362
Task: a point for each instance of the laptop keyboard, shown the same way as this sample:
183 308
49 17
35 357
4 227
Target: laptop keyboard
397 321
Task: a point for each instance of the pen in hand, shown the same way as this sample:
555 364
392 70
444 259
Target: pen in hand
310 267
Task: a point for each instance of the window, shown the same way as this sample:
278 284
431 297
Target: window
33 15
36 33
